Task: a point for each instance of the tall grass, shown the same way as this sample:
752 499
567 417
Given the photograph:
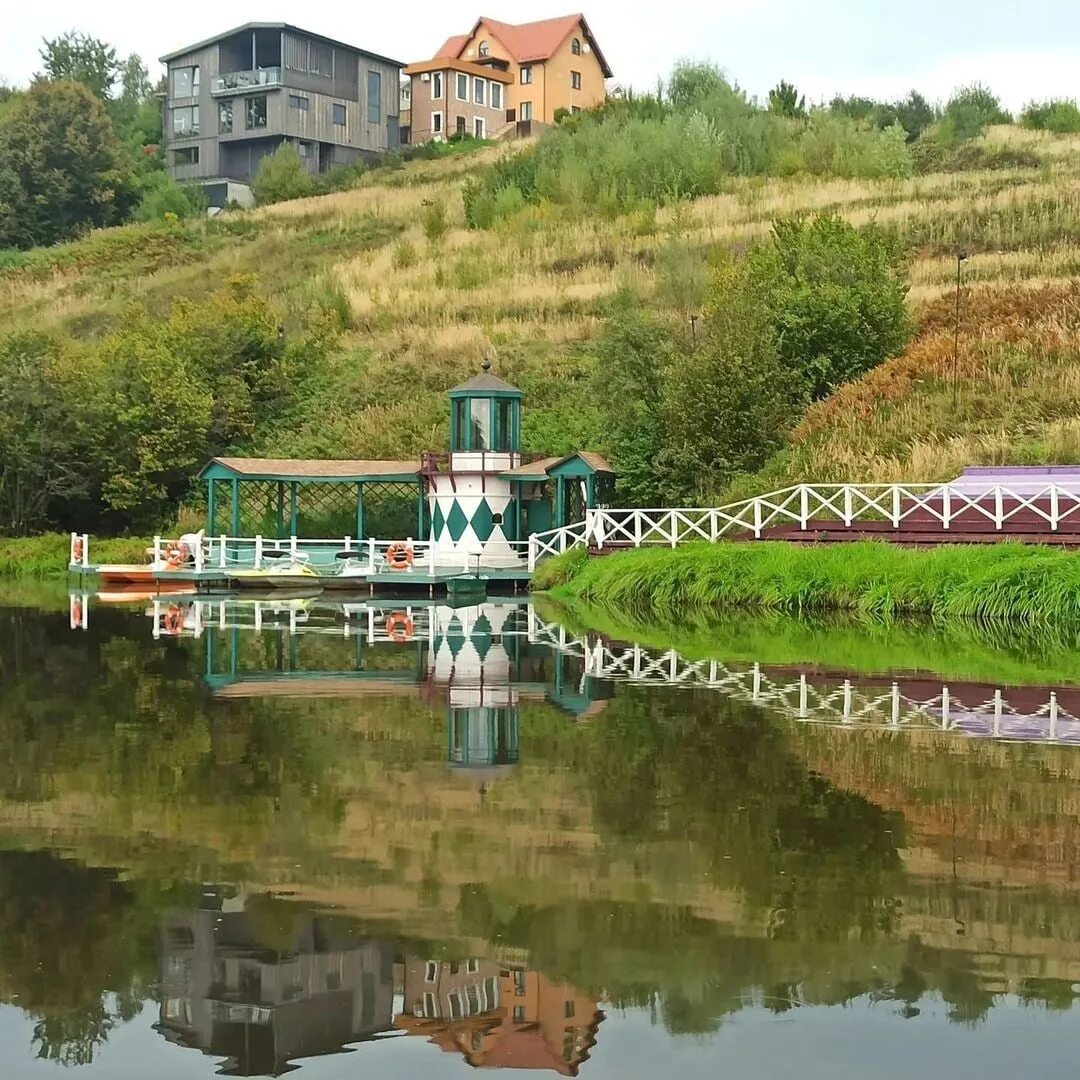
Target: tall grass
46 556
1033 585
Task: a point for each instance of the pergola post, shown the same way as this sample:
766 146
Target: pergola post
420 510
235 507
292 509
211 507
359 510
279 520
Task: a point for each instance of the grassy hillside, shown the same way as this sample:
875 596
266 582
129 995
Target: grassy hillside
420 310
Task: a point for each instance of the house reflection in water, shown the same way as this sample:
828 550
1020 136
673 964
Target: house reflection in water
496 1017
237 984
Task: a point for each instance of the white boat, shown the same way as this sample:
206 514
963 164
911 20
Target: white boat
290 570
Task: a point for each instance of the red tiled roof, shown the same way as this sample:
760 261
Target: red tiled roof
530 41
452 46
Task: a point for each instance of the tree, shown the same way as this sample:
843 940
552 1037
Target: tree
972 108
914 114
632 357
282 175
61 167
835 298
785 100
731 402
81 59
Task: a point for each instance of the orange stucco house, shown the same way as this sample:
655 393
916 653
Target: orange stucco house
501 77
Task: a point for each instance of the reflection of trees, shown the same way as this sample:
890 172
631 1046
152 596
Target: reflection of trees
76 951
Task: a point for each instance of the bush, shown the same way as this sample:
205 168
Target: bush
971 109
163 196
1060 116
435 222
404 257
282 175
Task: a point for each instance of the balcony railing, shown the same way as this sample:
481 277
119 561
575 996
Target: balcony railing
246 80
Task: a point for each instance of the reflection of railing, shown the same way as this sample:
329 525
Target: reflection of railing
930 507
246 80
811 699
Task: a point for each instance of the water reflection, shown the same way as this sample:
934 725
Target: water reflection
470 832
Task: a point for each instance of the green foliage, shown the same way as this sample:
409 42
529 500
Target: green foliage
46 556
62 169
435 222
163 199
785 100
282 175
1059 115
837 146
971 109
75 57
632 357
731 401
998 581
834 297
404 257
913 113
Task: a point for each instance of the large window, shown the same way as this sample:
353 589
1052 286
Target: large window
374 97
504 436
338 114
496 95
479 91
185 121
526 75
436 85
462 87
525 111
298 101
186 155
255 112
224 117
480 424
185 82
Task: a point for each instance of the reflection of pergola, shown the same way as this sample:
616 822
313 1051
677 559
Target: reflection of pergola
283 497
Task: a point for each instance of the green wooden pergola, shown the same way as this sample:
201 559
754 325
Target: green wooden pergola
284 497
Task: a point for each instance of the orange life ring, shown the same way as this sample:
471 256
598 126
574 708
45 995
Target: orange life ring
76 612
173 620
175 556
399 556
400 627
77 549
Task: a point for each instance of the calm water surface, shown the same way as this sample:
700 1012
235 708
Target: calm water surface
247 838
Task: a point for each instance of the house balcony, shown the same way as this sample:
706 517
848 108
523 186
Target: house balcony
239 81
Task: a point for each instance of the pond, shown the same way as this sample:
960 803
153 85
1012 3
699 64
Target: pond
246 836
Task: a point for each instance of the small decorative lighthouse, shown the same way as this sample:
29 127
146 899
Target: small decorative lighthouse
472 503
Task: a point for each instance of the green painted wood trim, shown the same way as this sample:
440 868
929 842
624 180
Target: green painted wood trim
235 507
359 511
211 507
292 508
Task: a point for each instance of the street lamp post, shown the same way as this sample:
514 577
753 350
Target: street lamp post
960 257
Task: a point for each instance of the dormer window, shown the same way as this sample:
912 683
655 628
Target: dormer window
484 50
575 46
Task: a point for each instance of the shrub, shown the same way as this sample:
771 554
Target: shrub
405 256
1060 116
161 195
971 109
282 175
435 222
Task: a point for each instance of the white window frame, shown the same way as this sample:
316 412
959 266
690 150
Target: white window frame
495 89
479 121
441 129
526 75
431 971
437 85
457 86
521 110
479 90
575 80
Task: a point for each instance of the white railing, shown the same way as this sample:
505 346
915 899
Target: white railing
943 504
810 700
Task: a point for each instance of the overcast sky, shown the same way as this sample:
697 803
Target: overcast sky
1023 50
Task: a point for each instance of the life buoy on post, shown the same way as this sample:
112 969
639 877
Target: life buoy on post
399 627
77 550
399 555
175 556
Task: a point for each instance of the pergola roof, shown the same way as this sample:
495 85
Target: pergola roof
545 467
312 469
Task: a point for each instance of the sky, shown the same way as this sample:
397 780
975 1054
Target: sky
1024 51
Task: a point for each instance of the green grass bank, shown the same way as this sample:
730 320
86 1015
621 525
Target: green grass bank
46 556
1029 584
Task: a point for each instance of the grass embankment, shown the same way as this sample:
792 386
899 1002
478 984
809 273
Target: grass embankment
47 556
1033 585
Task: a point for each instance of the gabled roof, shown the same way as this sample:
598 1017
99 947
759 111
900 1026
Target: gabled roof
533 41
540 470
308 469
485 381
450 63
276 26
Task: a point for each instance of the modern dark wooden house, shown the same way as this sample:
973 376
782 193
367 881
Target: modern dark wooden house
234 98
